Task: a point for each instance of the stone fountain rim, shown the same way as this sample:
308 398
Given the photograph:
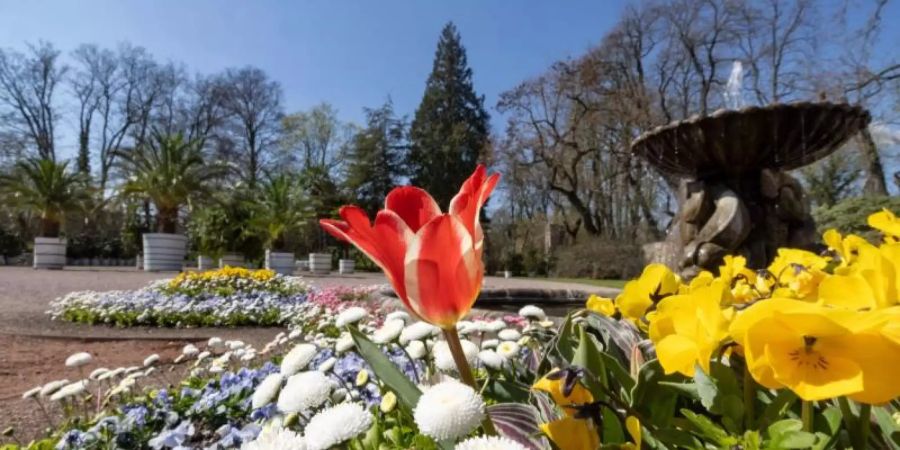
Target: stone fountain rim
724 112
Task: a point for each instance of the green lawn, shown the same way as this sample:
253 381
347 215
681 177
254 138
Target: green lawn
618 284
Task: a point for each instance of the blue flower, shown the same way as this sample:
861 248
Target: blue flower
172 438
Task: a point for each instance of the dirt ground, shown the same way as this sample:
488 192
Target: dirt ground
28 362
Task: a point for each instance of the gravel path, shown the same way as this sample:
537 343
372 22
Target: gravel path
25 294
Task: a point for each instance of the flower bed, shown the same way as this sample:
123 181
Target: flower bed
225 297
800 354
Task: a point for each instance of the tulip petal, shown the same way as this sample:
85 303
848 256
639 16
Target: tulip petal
472 195
384 243
443 272
415 206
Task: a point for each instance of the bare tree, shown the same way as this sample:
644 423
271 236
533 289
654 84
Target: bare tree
252 103
316 138
27 86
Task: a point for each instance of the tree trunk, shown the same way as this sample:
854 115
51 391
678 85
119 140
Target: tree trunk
167 220
49 227
875 184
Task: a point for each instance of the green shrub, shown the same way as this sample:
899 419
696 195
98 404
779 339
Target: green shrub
849 216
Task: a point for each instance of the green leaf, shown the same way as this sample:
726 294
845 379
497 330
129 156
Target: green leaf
721 394
886 424
506 391
653 399
589 356
407 392
777 408
706 428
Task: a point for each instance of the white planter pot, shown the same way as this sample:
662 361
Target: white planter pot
280 262
49 253
320 263
164 252
205 263
232 260
346 266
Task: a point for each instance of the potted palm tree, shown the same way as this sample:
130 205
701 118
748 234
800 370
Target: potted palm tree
169 171
50 189
281 207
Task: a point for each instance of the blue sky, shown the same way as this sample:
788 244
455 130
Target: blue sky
350 54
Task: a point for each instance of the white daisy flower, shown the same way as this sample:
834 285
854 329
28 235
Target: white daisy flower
443 358
52 387
303 392
464 327
69 390
96 373
234 345
350 316
344 343
327 365
79 359
491 359
31 392
416 350
490 343
336 425
496 325
397 315
448 410
388 332
489 443
509 335
297 359
276 438
203 355
294 334
532 312
215 344
267 390
151 360
417 332
508 349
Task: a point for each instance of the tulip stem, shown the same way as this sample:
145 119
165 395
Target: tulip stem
465 372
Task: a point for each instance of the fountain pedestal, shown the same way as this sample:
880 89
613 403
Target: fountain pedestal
735 195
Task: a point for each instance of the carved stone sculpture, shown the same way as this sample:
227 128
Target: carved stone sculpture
735 195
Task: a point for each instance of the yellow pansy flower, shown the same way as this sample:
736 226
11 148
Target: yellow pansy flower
655 283
687 329
570 433
887 223
797 272
555 387
818 352
601 305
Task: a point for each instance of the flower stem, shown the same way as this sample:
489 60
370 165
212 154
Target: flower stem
850 423
806 415
465 372
749 398
865 410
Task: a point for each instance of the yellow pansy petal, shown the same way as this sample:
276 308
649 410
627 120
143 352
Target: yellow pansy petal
601 305
677 354
572 434
814 376
633 425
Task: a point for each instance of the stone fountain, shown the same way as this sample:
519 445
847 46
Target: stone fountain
735 194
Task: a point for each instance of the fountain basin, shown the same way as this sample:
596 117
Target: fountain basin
733 142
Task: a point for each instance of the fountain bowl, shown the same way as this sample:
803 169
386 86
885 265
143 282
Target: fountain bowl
784 136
